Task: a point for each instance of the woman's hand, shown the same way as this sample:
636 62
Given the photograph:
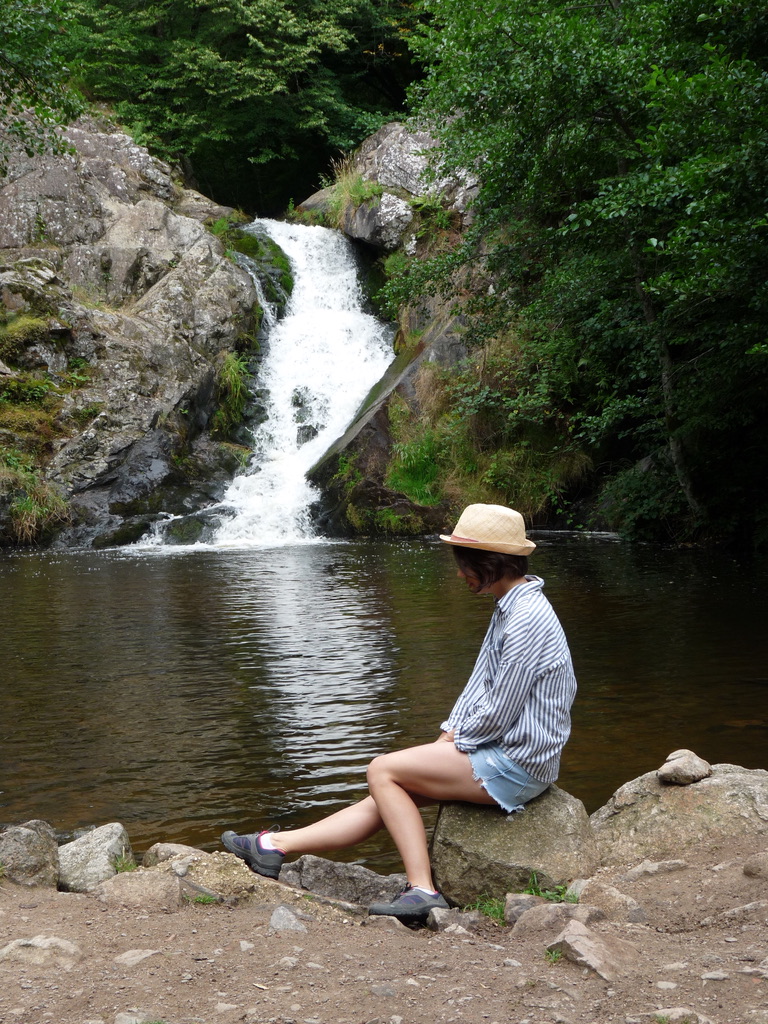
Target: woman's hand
445 736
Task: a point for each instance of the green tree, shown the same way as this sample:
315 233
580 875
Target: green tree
623 150
251 95
34 98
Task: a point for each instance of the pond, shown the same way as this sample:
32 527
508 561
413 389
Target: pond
185 691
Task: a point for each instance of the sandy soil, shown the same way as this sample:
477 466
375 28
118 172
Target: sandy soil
222 963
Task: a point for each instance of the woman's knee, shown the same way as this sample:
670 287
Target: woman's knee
377 769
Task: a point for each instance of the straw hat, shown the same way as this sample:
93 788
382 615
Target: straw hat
491 528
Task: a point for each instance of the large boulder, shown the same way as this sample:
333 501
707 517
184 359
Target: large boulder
649 818
29 854
479 850
94 857
106 265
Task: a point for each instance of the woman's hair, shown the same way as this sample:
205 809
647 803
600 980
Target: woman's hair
489 567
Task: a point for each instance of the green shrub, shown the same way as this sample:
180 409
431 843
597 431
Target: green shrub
232 387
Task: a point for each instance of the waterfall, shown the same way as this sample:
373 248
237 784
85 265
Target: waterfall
322 359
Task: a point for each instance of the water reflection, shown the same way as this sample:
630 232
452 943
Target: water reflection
183 692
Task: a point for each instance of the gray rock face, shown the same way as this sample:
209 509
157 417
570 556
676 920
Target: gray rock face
91 859
29 854
350 882
478 849
112 259
379 222
397 158
647 818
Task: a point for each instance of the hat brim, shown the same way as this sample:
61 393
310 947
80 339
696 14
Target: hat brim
505 549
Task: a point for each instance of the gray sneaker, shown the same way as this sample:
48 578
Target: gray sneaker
410 905
249 848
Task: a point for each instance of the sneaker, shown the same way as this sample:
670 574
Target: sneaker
410 905
249 848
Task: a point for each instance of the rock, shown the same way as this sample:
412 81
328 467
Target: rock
480 850
607 956
387 923
648 818
134 956
351 882
161 852
283 919
757 865
683 767
29 854
220 873
683 1014
128 281
440 920
149 891
616 905
549 919
648 868
380 222
517 903
91 859
397 158
42 950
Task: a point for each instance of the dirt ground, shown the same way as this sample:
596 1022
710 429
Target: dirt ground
223 963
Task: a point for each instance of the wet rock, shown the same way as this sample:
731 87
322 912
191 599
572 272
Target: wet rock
683 767
29 854
94 857
606 955
478 849
351 882
650 819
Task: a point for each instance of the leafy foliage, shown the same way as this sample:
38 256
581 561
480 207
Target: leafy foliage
253 95
34 98
623 150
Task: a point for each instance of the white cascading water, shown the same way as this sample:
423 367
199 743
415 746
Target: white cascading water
323 358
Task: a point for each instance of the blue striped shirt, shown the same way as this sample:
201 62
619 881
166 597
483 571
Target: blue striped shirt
522 686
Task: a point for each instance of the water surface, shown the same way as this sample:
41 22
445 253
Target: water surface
184 692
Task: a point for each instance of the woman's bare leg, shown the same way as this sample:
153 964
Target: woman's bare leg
347 827
435 771
399 783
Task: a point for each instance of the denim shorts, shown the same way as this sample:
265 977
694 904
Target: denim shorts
510 785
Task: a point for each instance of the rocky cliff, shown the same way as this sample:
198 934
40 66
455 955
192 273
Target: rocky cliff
118 309
388 200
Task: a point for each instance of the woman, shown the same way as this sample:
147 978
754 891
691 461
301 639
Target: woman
501 743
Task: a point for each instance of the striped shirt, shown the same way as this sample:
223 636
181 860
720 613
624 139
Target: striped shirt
522 686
